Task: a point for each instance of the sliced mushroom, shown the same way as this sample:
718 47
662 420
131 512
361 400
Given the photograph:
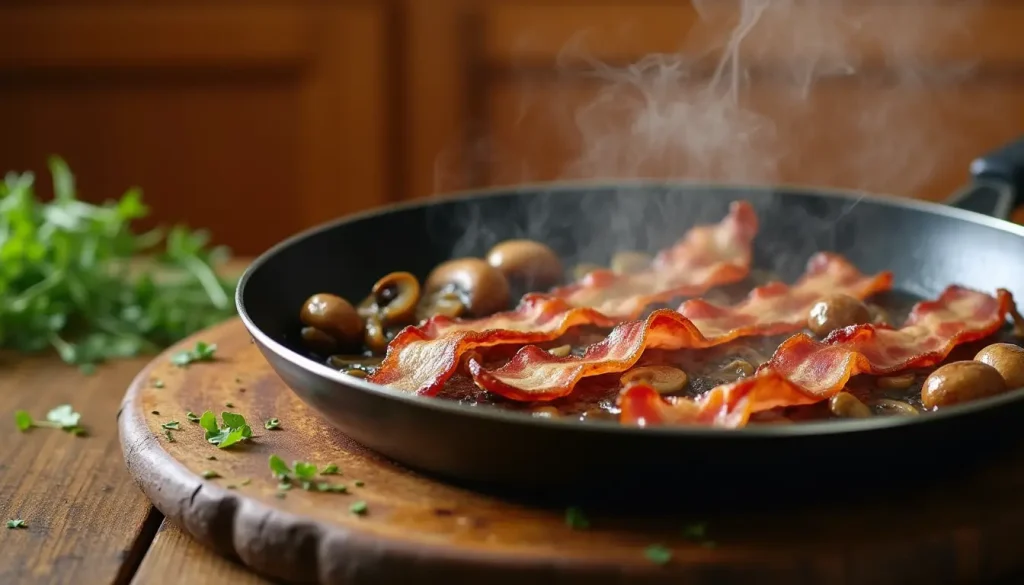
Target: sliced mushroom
356 373
334 316
396 296
527 264
886 406
836 312
630 262
481 287
961 382
1008 360
846 405
900 382
664 379
375 337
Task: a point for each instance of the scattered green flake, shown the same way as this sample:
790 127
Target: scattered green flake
278 467
576 519
358 483
191 417
338 488
210 474
16 523
158 383
229 405
304 470
169 436
245 481
284 486
658 554
211 458
23 419
234 430
172 425
272 424
202 352
359 508
156 412
330 469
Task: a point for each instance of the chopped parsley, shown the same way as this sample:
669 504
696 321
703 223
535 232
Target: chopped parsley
191 417
330 469
234 430
304 474
202 352
16 523
658 554
172 425
358 508
359 483
211 458
63 417
229 405
168 436
210 474
158 383
272 424
156 412
576 519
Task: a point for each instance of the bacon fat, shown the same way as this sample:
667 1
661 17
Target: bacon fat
805 371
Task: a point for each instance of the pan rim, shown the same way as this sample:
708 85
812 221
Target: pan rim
502 416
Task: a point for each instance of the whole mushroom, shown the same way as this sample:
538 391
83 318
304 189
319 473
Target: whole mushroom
481 288
328 316
526 263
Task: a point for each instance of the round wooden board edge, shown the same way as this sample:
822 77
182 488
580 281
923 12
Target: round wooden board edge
284 546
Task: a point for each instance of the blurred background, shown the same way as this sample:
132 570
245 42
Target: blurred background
258 119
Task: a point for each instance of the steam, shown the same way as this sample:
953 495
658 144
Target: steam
837 93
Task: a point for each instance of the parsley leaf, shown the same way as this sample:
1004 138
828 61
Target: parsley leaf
210 474
658 554
202 352
272 424
23 419
16 523
278 467
63 417
234 430
303 470
330 469
192 417
168 436
359 508
172 425
69 282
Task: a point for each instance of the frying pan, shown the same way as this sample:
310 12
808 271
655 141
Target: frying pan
928 246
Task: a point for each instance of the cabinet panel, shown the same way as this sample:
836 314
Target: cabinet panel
894 139
254 122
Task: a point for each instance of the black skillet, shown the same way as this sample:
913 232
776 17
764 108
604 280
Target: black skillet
927 246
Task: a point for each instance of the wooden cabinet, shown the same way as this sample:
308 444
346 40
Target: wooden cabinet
252 120
259 120
878 95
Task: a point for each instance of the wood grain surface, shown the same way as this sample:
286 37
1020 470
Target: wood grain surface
86 521
174 557
418 530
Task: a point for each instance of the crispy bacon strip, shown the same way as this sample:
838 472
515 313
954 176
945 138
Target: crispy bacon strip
707 256
534 374
421 359
804 370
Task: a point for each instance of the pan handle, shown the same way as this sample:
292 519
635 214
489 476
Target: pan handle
998 186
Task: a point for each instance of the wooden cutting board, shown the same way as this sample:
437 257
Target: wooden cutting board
415 530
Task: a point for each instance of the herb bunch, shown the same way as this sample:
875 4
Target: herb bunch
69 277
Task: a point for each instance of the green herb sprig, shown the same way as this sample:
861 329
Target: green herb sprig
235 429
69 279
63 417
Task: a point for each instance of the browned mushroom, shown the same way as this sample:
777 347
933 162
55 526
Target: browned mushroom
375 337
630 262
333 316
846 405
317 340
898 382
481 287
961 382
664 379
526 263
835 312
889 407
396 296
1008 360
